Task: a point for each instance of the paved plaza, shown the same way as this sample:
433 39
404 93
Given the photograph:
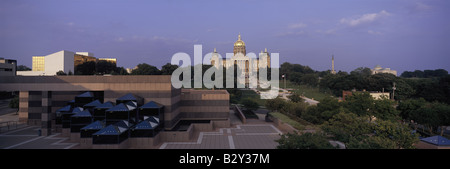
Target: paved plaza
251 136
255 134
28 138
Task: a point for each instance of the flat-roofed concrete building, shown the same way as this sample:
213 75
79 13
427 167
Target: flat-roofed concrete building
64 60
111 60
379 69
50 64
38 63
8 67
41 96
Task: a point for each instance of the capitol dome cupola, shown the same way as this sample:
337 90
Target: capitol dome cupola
239 46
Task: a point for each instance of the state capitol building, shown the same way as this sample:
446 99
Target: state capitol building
248 64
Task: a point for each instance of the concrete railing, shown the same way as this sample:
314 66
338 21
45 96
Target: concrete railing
8 125
282 125
240 114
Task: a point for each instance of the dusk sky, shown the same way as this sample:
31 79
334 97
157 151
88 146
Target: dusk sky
398 34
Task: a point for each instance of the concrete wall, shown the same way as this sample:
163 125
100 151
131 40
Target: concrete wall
30 73
124 145
204 104
75 137
62 60
239 113
85 143
145 142
177 136
203 127
65 132
23 106
425 145
221 123
4 66
68 62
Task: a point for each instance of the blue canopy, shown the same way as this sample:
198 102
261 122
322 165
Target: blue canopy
123 123
86 94
105 105
437 140
77 110
131 105
111 130
94 103
84 113
146 124
152 119
151 105
97 125
67 109
119 107
128 96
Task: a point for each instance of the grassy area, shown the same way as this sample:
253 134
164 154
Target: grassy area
308 91
252 95
297 125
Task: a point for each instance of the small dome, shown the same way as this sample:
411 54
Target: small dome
239 42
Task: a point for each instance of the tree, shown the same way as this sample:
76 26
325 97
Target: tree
23 68
293 109
295 77
360 103
295 97
275 104
328 107
432 115
145 69
105 67
303 141
426 115
250 104
120 71
344 126
399 134
312 115
60 73
362 71
14 103
323 111
358 132
384 109
425 73
86 68
310 79
407 107
168 69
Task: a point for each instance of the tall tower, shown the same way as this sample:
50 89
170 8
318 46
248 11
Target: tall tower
239 46
332 65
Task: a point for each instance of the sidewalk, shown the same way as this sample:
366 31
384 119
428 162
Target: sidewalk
10 122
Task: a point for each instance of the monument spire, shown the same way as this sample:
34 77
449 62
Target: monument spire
332 64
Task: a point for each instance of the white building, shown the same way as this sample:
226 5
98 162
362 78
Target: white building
62 60
379 69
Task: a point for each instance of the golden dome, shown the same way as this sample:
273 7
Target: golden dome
239 42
